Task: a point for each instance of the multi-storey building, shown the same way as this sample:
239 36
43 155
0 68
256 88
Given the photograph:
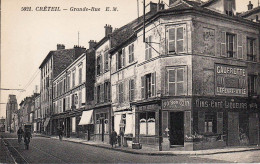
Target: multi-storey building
73 91
11 108
54 63
37 114
194 82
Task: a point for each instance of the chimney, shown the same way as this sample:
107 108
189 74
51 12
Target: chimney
154 7
171 2
60 46
92 43
79 47
250 6
108 29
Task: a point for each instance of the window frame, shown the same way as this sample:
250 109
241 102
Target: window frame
252 56
230 54
252 85
121 92
176 82
131 52
148 47
176 39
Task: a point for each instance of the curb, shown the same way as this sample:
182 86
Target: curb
159 153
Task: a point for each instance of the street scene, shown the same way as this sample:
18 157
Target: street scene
175 81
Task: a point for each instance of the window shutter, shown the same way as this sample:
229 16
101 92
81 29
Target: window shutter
108 91
95 94
235 47
179 39
223 44
220 122
116 61
239 46
102 92
101 65
96 66
123 57
129 54
255 51
143 87
133 54
150 48
146 49
201 122
153 83
171 40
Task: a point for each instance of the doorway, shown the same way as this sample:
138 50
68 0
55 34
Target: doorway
102 129
68 127
176 130
233 129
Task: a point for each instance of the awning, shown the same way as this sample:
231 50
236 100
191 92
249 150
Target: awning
46 122
86 118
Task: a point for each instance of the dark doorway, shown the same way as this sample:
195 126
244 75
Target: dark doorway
233 129
102 129
68 127
176 128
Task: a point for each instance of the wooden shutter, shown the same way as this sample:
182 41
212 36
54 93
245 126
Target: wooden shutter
201 122
235 47
146 49
123 57
133 54
223 51
153 76
101 65
180 39
220 122
95 94
239 46
171 40
255 50
102 92
108 91
143 87
150 48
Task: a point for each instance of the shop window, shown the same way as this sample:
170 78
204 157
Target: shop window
251 49
148 85
131 52
148 48
147 123
176 81
73 122
252 85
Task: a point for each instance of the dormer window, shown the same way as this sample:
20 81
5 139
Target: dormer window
229 6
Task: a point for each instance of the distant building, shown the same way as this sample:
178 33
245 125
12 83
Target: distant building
11 108
53 64
252 13
2 124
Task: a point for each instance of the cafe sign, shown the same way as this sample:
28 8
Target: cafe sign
176 104
230 80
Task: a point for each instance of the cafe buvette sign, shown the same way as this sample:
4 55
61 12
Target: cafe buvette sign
177 104
230 80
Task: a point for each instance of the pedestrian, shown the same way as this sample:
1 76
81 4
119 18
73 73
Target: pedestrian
60 131
113 138
20 133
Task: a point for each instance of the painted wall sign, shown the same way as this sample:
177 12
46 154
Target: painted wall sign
176 103
205 103
230 80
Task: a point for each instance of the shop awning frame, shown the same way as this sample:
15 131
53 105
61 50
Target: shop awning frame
46 122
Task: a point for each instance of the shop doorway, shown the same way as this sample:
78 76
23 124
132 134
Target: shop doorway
102 129
253 129
67 124
233 129
176 131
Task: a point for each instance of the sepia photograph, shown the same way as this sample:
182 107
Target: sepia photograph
130 81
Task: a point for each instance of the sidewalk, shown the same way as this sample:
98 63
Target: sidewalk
153 151
5 156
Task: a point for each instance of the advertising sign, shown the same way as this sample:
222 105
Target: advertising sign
230 80
177 104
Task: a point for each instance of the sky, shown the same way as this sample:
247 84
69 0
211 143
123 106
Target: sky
28 36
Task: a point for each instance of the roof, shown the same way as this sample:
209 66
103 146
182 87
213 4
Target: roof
205 4
250 12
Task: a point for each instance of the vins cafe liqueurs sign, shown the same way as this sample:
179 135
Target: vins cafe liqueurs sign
230 80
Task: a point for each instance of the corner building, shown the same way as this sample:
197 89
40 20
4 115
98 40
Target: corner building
196 82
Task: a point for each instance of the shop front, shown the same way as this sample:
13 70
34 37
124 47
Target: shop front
224 121
102 124
86 125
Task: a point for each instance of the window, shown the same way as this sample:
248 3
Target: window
229 8
210 123
120 59
121 93
147 123
99 64
80 75
230 45
176 81
106 91
64 104
54 90
176 39
148 49
252 84
68 82
148 85
73 79
64 85
131 89
106 56
131 53
73 120
98 94
251 56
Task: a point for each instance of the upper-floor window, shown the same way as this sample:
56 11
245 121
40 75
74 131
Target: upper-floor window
80 75
176 81
64 85
106 91
68 82
131 53
131 89
106 58
121 92
230 45
251 49
148 85
99 64
176 39
98 93
120 59
229 8
252 85
148 48
73 79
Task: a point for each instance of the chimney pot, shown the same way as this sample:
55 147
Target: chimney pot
92 43
108 29
250 6
60 46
